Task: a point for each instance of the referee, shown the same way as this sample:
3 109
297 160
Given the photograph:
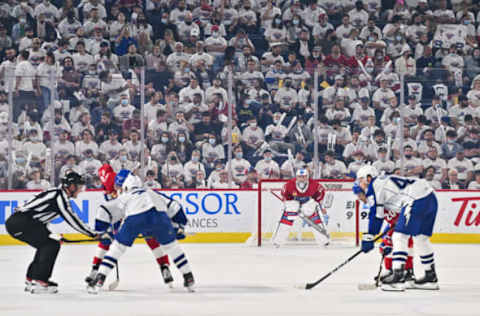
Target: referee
29 224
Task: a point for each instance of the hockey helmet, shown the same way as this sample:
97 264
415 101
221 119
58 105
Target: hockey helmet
131 182
302 172
302 180
72 178
367 170
121 177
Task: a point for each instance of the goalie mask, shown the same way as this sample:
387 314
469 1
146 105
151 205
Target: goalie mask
302 180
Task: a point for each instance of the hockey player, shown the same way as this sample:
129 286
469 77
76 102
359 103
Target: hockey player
416 205
109 215
29 224
386 246
301 195
145 213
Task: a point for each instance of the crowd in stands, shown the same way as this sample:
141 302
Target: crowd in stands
74 71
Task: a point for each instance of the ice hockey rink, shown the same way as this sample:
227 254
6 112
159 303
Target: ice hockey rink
234 279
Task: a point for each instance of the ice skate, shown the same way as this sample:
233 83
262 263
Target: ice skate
167 275
394 282
96 284
409 279
42 287
428 282
188 281
92 275
28 285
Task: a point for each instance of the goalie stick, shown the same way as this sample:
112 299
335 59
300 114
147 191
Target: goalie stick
309 286
322 230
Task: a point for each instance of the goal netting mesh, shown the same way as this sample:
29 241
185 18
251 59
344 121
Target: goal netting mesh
340 203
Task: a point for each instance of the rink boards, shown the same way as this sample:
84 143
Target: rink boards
230 215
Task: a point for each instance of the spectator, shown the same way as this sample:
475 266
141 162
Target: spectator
439 165
452 182
475 184
463 166
26 87
430 177
150 181
36 182
384 164
172 170
333 168
451 147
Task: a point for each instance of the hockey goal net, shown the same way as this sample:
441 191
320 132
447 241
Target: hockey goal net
340 203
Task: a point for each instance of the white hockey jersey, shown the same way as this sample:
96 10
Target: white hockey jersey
391 193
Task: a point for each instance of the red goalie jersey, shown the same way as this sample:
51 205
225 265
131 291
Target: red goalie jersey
313 190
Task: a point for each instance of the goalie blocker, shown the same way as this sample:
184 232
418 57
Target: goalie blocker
301 198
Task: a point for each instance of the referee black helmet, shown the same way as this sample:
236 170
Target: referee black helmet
72 178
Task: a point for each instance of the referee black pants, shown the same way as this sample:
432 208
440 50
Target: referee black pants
23 227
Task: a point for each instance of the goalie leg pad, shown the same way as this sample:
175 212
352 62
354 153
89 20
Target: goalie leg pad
400 249
315 217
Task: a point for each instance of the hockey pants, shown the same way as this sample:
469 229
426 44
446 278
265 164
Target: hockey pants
24 228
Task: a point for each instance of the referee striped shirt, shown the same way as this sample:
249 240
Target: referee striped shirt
52 203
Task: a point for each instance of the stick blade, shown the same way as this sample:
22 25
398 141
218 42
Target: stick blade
112 286
367 286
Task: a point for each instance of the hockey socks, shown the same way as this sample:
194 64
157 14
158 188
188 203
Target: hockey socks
162 260
160 256
111 257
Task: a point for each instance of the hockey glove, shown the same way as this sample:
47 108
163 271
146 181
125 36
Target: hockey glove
367 242
181 233
386 246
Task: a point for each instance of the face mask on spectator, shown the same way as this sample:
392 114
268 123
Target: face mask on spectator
215 34
295 22
23 21
268 158
20 160
212 141
164 140
278 21
124 102
253 124
408 156
239 155
195 158
181 139
398 38
123 158
164 21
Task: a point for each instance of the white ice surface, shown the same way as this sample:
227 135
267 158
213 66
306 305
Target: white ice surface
239 280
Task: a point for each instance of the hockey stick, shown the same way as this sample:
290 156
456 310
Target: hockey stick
312 224
370 286
112 286
309 286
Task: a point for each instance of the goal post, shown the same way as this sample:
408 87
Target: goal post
340 203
